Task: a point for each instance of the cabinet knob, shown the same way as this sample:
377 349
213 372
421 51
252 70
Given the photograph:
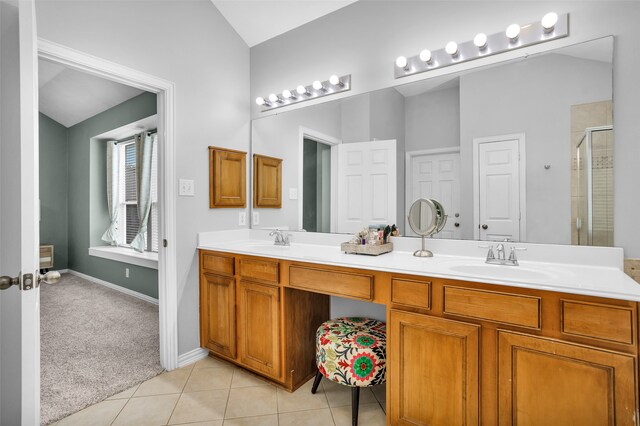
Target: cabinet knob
456 224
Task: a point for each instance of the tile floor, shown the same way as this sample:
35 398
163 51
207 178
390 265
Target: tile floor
212 392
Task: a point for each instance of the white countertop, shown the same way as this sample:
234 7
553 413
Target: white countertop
606 279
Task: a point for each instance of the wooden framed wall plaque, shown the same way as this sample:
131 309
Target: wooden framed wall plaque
267 182
227 178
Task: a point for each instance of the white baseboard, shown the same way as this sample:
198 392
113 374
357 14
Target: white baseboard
192 356
63 271
114 287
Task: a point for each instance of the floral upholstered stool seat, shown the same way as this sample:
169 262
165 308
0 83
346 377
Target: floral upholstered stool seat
352 352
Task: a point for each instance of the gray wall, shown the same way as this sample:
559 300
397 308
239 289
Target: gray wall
190 44
88 217
54 188
433 120
364 38
535 99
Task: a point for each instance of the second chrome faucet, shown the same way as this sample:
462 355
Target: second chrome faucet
498 257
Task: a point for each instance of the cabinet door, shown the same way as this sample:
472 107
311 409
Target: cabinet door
218 314
433 370
544 382
259 327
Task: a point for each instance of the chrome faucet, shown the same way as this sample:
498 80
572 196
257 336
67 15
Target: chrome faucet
281 239
498 257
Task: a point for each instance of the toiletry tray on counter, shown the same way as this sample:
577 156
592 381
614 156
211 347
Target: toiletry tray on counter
368 249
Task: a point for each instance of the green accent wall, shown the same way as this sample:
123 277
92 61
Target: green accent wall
88 216
54 194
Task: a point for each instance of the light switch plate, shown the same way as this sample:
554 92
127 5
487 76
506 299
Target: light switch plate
293 193
255 220
242 218
186 188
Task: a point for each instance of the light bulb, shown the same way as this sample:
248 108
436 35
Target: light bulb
301 90
425 55
549 21
318 85
513 31
260 101
335 80
287 94
480 40
401 62
273 97
452 48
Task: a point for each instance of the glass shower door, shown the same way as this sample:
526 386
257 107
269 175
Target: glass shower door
594 222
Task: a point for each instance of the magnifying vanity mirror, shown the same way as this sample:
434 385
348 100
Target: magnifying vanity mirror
495 145
426 217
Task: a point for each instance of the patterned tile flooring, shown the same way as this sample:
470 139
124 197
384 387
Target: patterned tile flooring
212 392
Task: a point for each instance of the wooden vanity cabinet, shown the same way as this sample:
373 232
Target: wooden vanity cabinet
248 318
473 353
259 327
458 352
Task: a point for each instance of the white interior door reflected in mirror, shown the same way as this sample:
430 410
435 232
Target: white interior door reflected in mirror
366 185
499 188
436 174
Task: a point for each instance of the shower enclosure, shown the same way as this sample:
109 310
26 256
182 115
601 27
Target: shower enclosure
594 220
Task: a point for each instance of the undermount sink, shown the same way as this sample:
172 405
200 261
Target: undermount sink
501 271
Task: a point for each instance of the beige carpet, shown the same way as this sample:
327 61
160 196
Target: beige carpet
95 342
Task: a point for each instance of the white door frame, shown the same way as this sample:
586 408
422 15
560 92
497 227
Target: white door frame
522 167
165 91
327 140
408 172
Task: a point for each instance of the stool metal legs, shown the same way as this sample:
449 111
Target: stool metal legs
355 403
355 398
316 382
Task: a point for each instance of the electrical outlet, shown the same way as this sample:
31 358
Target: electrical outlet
126 272
256 218
186 188
242 218
293 193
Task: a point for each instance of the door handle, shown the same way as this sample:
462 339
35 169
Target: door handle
51 277
484 226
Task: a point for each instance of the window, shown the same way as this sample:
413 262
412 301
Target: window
128 220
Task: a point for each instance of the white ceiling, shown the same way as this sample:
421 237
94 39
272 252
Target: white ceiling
259 20
70 97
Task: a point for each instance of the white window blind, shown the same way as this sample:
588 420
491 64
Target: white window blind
128 220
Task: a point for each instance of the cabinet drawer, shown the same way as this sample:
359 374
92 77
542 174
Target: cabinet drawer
411 293
338 283
504 308
598 321
262 270
219 264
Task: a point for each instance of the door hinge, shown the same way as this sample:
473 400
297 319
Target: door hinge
164 243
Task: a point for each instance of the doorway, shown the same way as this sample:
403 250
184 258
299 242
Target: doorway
316 200
499 188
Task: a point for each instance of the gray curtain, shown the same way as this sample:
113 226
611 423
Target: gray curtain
113 191
145 144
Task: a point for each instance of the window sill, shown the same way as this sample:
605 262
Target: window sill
126 255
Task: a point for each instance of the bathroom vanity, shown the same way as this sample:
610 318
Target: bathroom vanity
468 343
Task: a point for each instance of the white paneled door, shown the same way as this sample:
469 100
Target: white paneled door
499 189
437 176
19 215
366 185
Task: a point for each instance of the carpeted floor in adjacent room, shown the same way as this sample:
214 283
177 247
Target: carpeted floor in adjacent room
95 342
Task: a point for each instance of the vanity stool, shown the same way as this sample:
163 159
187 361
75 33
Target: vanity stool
351 351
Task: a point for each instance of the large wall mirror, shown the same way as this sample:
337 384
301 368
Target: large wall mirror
521 150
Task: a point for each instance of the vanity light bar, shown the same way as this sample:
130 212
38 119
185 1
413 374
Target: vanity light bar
551 27
302 93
